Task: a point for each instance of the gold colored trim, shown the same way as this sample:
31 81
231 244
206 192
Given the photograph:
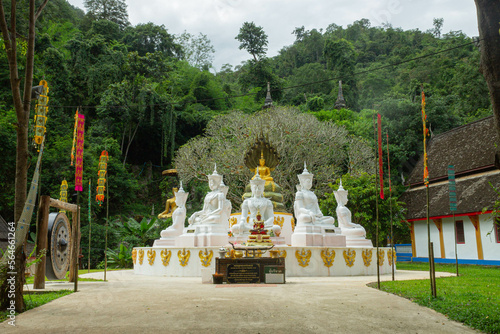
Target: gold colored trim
293 224
282 253
328 257
279 221
367 257
439 224
232 221
381 255
303 257
206 257
141 256
349 257
151 256
475 221
184 256
165 257
391 256
134 255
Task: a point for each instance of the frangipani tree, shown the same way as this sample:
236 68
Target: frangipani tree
328 150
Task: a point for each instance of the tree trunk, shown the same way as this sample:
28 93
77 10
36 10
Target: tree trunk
488 18
22 107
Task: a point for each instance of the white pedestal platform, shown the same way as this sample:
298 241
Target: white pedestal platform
308 235
202 236
299 261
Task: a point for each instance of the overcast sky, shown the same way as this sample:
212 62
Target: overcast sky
221 20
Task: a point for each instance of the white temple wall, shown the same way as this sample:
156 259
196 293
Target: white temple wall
467 250
491 248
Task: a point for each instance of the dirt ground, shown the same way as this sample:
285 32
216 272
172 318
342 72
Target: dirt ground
130 303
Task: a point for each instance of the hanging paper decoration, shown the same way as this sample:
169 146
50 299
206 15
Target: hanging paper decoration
426 133
101 181
63 194
41 110
79 153
73 147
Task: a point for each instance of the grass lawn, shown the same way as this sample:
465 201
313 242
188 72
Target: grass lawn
29 280
37 298
472 298
33 300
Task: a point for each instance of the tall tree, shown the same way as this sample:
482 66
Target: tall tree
111 10
150 38
488 18
22 105
253 39
197 50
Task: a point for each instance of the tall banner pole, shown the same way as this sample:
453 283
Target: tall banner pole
90 221
106 233
101 186
452 189
390 208
78 189
376 203
426 183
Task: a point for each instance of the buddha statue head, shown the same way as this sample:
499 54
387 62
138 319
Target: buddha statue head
341 195
257 185
262 161
214 180
305 178
180 196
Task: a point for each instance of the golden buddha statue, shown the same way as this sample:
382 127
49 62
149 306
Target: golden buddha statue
263 170
261 158
170 206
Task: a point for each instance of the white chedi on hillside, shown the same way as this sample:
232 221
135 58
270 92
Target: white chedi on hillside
355 234
313 228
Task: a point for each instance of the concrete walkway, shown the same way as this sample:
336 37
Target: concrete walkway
130 303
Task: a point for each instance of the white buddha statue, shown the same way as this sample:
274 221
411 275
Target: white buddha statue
178 216
213 204
227 206
251 206
306 206
353 232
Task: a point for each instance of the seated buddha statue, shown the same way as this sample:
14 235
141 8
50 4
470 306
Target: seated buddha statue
256 204
263 171
306 206
213 205
344 217
266 158
170 206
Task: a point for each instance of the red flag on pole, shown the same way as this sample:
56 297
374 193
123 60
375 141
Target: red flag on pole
380 163
388 163
424 121
79 153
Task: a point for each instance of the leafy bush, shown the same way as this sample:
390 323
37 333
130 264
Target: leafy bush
121 258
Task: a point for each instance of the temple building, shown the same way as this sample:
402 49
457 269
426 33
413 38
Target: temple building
471 150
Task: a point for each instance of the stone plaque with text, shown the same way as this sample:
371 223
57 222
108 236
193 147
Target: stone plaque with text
243 273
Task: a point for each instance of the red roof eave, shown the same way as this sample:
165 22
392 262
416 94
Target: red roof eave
448 216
